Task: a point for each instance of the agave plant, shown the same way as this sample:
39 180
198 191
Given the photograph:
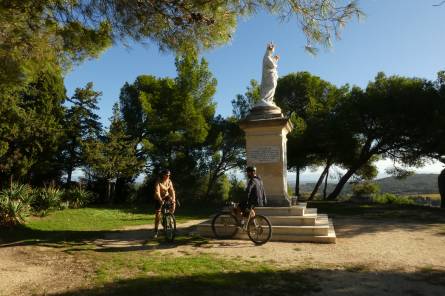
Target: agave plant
14 204
78 197
45 199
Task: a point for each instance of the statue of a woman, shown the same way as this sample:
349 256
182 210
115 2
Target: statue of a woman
270 75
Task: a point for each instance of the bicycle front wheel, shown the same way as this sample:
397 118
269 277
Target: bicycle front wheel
259 229
169 224
224 225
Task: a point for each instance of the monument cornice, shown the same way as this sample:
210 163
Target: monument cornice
267 122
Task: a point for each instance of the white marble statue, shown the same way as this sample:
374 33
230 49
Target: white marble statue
270 75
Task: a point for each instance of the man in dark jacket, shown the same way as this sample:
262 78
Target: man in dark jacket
256 196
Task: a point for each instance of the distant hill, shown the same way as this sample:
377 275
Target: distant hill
420 183
416 184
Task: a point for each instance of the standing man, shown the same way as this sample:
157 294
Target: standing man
256 196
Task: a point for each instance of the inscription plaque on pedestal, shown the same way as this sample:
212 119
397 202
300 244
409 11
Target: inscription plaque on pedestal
264 154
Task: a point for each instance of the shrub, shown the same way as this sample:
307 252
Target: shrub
389 198
14 204
237 190
365 189
46 199
77 197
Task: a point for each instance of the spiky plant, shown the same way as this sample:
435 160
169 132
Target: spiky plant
46 199
14 204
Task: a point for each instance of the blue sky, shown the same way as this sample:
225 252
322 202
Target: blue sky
402 37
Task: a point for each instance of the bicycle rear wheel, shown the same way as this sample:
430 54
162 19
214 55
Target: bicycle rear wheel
169 223
259 229
224 225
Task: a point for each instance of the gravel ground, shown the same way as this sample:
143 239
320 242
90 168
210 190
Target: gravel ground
370 257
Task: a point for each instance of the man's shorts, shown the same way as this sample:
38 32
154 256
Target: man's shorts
246 206
158 204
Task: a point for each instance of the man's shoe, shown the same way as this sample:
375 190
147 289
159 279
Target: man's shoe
155 234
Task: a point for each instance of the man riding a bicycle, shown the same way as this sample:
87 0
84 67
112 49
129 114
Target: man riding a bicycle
256 196
164 192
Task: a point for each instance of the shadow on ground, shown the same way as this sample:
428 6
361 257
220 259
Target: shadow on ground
353 281
350 220
354 219
121 240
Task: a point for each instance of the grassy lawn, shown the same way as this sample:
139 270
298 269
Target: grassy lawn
139 273
90 223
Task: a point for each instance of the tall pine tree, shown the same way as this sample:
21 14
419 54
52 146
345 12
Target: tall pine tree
81 124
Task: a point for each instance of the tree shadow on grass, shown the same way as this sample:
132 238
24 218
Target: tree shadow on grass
211 283
101 241
349 281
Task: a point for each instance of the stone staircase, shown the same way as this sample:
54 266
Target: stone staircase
290 224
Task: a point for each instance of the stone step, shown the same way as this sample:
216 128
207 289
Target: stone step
293 220
281 211
306 219
330 238
317 234
310 211
314 230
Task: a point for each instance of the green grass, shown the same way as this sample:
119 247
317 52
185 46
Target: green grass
91 219
137 273
75 225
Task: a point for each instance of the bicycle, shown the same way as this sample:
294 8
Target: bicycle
225 225
168 221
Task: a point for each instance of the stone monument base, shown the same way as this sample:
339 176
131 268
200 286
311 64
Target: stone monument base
289 224
266 128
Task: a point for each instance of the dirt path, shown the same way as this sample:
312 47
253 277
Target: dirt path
40 270
388 258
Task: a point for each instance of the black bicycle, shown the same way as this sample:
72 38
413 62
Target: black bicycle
226 224
168 221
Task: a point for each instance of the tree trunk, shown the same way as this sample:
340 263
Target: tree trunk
320 180
68 178
441 182
333 195
325 184
212 181
297 182
109 191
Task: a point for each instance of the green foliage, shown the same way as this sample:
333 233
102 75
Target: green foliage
44 35
81 125
224 151
113 156
31 129
243 103
290 191
222 189
50 34
237 191
388 198
385 119
318 137
365 188
14 204
77 197
46 199
170 120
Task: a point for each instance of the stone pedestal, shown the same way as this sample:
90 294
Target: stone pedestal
266 130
